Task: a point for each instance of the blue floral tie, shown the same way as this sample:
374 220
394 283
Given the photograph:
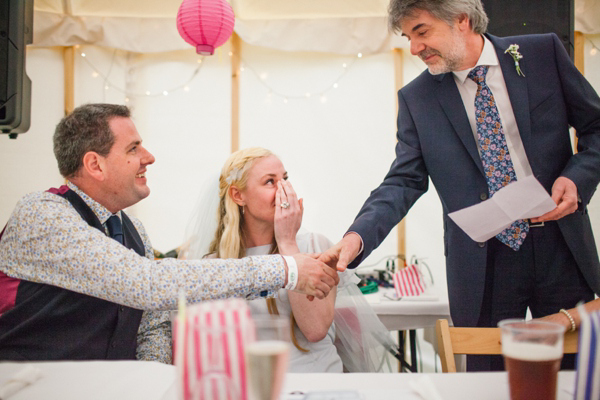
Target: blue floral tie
115 228
496 159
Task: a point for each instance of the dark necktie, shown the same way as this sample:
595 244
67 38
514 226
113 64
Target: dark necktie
115 228
497 163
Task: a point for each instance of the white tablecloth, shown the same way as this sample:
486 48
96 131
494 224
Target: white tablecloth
131 380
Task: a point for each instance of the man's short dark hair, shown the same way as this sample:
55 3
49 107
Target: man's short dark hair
85 129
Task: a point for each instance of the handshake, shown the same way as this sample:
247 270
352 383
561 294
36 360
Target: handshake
318 273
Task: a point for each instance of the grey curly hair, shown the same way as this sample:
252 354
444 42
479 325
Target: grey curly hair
445 10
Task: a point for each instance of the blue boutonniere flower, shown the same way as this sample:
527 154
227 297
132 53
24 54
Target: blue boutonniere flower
513 50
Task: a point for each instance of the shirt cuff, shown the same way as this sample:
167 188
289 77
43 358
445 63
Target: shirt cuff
362 244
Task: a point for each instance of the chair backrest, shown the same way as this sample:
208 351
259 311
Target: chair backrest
486 341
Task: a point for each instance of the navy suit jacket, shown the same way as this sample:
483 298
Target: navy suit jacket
435 140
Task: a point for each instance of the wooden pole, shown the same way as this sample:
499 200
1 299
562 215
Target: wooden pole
69 72
579 51
399 82
236 57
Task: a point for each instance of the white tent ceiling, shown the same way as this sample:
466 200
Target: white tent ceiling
244 9
335 26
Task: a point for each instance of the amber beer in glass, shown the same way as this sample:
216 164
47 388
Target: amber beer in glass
532 352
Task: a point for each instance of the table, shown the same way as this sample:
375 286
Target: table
408 314
132 380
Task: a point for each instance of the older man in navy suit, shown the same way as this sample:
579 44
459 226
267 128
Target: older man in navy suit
487 112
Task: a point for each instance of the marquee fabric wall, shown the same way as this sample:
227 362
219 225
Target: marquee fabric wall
337 143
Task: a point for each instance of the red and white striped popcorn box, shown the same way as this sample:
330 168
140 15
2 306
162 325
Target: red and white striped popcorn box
209 352
409 281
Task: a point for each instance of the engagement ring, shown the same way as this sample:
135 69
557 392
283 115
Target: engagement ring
285 204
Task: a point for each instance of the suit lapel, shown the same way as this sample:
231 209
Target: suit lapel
452 104
516 86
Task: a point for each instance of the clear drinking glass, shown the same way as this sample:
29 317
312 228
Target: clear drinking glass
532 352
267 357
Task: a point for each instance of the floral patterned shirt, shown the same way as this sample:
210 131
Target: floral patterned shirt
46 241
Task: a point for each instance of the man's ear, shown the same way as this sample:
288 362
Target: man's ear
463 23
236 196
94 165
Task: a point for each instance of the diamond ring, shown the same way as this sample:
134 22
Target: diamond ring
285 204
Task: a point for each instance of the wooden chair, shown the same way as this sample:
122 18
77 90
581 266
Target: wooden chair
471 341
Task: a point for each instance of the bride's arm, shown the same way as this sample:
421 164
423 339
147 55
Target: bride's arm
314 318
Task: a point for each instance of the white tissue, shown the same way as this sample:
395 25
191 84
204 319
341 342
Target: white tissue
18 381
424 387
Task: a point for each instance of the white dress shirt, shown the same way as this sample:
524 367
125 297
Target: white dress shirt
495 80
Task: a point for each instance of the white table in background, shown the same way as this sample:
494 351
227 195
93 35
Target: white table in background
409 314
132 380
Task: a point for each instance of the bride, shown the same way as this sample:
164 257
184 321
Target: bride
258 212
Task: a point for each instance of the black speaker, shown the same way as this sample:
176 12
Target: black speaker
16 32
522 17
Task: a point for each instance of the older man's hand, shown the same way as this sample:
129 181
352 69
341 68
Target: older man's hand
343 253
564 194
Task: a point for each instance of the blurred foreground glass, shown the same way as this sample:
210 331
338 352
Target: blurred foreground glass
532 352
267 357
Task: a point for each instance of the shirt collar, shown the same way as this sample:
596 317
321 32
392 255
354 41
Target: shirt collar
488 57
101 212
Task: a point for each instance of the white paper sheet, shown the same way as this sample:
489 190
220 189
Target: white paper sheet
522 199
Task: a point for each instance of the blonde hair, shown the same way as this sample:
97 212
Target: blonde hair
229 240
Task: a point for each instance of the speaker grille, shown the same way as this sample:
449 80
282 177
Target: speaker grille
518 17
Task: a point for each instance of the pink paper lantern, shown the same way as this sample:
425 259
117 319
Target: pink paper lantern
205 24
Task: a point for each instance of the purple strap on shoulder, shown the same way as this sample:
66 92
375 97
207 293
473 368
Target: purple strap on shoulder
61 190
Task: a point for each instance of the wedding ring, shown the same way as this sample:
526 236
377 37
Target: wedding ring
285 204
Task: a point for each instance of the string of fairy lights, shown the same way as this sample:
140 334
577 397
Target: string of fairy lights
262 78
96 72
321 94
594 50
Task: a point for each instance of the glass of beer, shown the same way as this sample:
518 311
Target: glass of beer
532 352
267 357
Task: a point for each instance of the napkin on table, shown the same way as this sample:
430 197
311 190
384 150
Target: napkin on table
424 387
18 381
